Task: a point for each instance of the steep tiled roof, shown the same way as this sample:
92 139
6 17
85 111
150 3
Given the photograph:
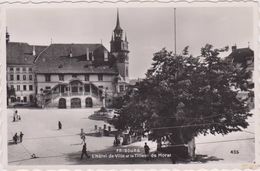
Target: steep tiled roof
56 59
241 55
21 53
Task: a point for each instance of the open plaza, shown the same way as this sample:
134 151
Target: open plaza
52 146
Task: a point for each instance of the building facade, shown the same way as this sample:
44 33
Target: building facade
20 71
68 75
244 58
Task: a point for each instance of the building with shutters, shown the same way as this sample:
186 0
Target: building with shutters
68 75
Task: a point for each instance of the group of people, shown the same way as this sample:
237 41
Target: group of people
117 141
16 116
17 138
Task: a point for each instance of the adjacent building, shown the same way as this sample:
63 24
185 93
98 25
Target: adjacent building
68 75
244 58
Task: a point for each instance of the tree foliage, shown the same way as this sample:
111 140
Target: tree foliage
183 96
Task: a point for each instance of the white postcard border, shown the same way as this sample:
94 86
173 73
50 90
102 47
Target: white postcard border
122 3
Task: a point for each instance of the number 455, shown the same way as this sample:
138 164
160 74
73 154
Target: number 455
234 152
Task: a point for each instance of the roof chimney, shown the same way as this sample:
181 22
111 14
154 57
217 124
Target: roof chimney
234 48
71 52
34 52
87 53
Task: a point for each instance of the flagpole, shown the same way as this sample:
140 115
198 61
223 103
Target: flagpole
175 31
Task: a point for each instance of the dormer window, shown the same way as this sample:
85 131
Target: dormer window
91 57
86 77
47 78
61 77
100 77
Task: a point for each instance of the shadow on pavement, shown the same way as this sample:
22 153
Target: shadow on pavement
12 143
205 158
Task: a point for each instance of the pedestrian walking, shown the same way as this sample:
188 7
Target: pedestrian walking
18 117
21 136
84 151
147 151
83 137
14 115
15 138
59 125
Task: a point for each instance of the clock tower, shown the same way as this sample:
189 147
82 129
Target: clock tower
119 49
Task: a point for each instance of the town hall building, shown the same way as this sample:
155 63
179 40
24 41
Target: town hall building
68 75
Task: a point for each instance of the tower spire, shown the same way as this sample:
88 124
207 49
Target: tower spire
117 21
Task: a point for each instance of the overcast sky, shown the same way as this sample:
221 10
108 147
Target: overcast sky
148 29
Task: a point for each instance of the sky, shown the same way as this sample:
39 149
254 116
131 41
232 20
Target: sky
148 29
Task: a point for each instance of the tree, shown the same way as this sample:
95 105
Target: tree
182 97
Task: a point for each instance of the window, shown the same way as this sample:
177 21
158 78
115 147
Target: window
100 77
24 87
30 77
74 75
61 77
121 88
12 86
91 56
30 69
126 71
24 69
30 87
18 77
11 77
17 69
18 87
47 78
87 87
24 77
11 69
86 77
24 99
18 99
105 56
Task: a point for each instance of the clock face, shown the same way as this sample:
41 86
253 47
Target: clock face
121 58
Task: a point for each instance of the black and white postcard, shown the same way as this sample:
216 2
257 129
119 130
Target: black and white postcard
130 85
